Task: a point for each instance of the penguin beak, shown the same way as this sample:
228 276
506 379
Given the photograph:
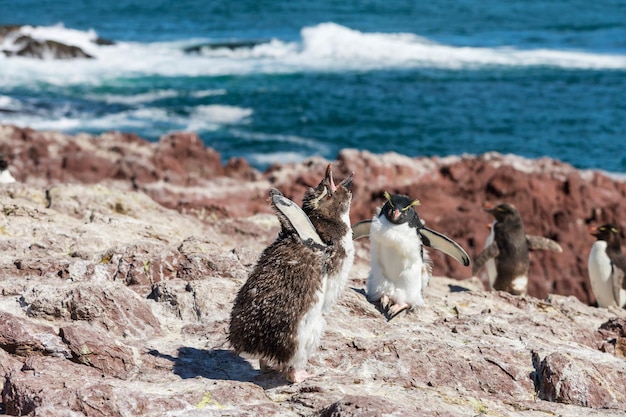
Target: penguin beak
329 178
396 214
488 207
593 230
347 182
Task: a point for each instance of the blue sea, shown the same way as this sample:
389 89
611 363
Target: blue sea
280 81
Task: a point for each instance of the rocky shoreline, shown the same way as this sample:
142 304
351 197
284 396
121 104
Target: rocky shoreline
121 259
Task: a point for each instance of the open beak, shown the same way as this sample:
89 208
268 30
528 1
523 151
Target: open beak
347 182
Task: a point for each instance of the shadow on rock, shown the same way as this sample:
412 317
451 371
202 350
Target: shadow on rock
219 364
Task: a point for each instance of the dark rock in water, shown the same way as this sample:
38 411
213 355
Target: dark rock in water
26 46
6 29
103 42
232 45
33 48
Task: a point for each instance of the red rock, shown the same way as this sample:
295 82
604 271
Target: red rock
94 347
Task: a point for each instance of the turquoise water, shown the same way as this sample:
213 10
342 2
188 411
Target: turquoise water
534 78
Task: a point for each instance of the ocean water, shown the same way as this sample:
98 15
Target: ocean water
296 78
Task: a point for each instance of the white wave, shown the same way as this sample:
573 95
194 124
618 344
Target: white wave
214 116
135 98
299 141
9 103
149 120
324 47
208 93
267 159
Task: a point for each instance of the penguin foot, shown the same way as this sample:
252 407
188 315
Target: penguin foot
396 309
384 302
297 376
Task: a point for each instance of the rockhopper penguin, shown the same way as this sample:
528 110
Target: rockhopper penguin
607 267
277 314
400 266
510 248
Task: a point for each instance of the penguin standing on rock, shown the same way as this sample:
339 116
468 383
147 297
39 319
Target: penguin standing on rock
510 248
607 267
400 266
277 313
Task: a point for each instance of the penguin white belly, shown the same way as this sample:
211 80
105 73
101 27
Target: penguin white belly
490 265
6 177
600 277
519 284
336 283
309 333
396 263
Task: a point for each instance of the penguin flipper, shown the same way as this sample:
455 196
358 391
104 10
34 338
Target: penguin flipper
542 243
443 243
618 287
489 252
361 229
292 217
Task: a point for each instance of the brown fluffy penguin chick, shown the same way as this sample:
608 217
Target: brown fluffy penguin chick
277 316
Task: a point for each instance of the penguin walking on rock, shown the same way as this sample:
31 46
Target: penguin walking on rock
510 249
277 313
607 267
400 267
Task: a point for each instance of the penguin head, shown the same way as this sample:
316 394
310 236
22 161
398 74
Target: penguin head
397 208
504 212
328 200
608 233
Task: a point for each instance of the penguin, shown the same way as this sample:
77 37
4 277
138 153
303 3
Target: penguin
400 267
277 313
328 208
5 174
607 267
510 249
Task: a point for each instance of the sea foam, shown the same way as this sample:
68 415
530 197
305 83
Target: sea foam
323 47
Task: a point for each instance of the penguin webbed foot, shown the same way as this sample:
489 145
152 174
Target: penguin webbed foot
396 309
296 376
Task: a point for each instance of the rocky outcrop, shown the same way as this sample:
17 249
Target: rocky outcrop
15 43
113 305
121 258
179 172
